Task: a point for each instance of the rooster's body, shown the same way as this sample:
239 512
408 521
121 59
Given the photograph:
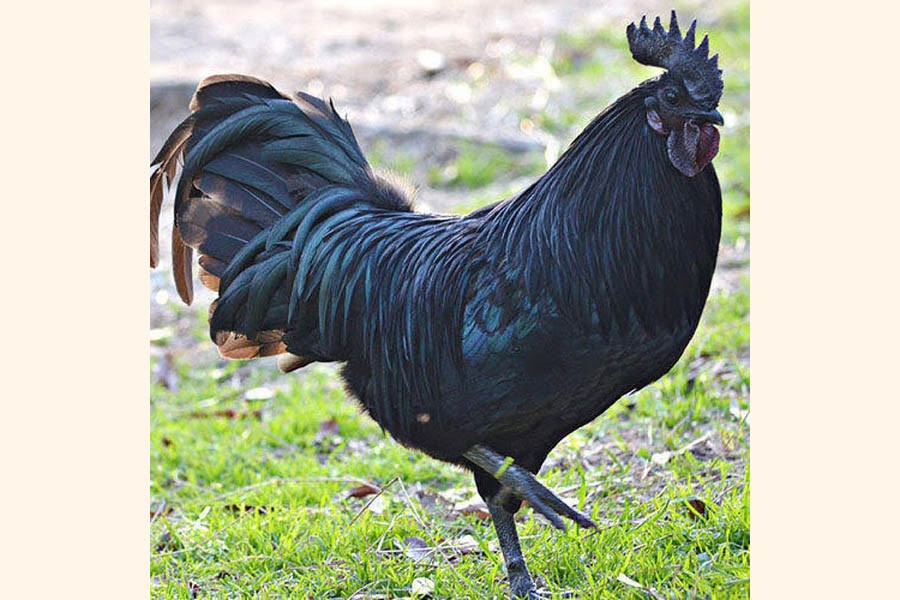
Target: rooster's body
471 338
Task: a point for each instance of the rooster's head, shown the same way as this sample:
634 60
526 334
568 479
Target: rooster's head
682 102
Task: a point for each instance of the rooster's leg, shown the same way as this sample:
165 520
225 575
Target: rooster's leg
519 578
523 485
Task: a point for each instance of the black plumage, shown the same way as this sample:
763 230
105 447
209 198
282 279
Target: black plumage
471 338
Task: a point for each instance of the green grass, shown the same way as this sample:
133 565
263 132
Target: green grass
381 156
249 499
477 166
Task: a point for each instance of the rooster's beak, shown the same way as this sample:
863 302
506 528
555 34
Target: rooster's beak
706 116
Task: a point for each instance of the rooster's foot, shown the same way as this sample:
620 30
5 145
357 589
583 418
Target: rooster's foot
521 484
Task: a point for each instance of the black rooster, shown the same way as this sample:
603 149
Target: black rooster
481 340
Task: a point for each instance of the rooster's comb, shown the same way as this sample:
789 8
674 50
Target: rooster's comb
658 48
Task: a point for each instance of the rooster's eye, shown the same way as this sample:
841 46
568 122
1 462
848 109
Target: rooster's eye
671 96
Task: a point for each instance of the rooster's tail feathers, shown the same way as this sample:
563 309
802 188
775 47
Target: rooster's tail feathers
260 170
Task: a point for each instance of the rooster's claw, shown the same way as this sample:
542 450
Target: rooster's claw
519 483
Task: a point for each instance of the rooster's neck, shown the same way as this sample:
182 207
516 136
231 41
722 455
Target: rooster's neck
614 229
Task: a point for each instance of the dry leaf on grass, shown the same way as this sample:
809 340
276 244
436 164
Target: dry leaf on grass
471 504
696 508
361 491
327 428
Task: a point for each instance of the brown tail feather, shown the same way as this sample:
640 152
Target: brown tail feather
167 163
182 260
157 184
266 343
233 345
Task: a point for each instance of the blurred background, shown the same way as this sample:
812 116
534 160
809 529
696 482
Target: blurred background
470 100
